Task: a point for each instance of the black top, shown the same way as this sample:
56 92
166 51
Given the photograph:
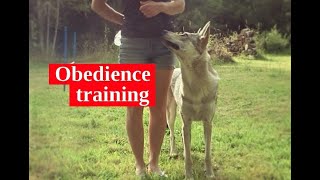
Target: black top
137 25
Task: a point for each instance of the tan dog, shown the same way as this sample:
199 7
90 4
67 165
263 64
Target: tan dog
194 90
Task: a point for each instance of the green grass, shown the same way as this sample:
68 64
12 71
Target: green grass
251 135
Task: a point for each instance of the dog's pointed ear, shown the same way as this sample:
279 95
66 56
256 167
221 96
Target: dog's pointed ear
205 35
204 29
199 30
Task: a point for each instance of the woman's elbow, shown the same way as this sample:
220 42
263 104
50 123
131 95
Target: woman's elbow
95 5
182 7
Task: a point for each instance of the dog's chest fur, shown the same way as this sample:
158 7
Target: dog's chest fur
195 91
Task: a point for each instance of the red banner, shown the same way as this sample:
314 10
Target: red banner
106 84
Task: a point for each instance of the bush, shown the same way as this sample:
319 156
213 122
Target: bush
271 41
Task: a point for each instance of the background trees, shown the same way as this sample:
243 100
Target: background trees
47 19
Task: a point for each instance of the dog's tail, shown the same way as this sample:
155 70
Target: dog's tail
176 73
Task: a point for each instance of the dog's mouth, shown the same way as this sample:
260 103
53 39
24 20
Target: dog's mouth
171 44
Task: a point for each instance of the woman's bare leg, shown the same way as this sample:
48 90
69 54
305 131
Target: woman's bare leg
158 121
134 125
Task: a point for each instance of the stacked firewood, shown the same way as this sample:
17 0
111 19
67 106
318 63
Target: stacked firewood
243 43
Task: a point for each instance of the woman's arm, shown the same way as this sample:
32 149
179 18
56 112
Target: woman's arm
107 12
151 8
173 7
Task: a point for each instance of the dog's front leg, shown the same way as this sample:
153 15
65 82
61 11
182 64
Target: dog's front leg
171 116
187 147
207 125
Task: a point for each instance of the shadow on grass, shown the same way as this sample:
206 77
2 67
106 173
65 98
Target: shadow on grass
198 167
215 61
258 57
263 55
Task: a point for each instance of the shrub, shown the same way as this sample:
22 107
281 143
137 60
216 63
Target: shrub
271 41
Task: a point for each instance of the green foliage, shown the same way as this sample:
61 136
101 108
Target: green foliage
272 41
191 20
225 15
236 15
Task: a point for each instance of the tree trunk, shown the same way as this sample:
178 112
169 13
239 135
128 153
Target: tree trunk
40 21
56 28
48 29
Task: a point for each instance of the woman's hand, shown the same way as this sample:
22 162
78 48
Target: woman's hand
151 8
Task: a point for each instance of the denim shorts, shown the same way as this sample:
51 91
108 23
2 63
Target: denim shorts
145 51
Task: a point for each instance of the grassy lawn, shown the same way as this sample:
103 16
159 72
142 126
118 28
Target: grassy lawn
251 135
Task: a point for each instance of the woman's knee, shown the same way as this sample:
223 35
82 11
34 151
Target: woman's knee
134 113
158 111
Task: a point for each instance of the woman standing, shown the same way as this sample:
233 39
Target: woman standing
142 25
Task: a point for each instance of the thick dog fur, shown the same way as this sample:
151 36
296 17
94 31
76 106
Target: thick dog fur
193 90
